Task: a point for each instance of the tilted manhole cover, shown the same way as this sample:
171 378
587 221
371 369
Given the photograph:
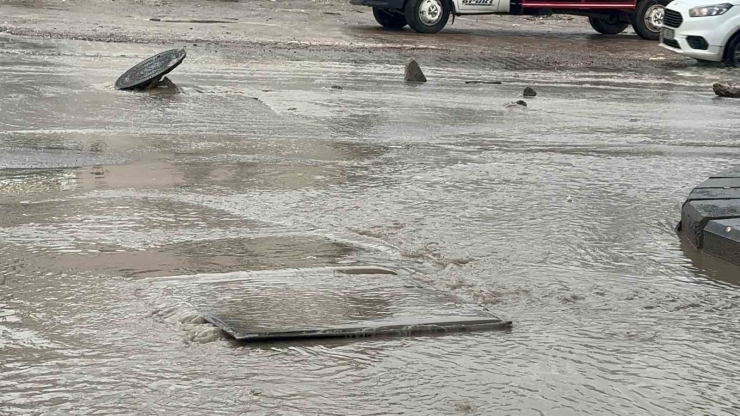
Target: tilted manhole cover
151 69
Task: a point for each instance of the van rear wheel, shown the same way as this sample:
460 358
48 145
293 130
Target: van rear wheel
389 20
647 19
427 16
611 25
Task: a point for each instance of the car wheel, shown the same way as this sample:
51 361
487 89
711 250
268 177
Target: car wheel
427 16
732 54
611 25
389 20
647 19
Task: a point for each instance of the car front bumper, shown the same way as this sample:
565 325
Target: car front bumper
714 30
714 53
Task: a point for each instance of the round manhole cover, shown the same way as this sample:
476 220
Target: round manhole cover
151 69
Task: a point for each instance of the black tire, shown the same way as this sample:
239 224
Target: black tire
427 22
612 25
389 20
648 17
732 53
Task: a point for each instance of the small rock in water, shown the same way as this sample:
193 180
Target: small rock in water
519 103
529 92
726 89
569 199
165 84
336 87
413 72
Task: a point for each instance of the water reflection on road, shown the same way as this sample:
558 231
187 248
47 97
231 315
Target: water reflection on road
559 217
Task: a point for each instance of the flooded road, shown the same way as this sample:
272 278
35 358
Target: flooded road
558 216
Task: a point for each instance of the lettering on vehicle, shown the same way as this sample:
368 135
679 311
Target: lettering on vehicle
477 2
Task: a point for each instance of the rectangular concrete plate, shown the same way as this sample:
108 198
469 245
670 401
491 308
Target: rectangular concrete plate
325 303
720 183
729 173
727 228
367 329
714 193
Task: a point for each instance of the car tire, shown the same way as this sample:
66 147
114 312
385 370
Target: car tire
648 18
388 19
732 53
427 16
612 25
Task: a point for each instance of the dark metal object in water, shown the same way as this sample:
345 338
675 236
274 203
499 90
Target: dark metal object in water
151 70
367 329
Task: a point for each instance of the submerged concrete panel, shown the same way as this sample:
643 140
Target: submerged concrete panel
722 239
720 183
697 214
714 193
326 302
710 217
729 173
362 329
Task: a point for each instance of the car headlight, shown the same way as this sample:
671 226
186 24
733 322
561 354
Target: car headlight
713 10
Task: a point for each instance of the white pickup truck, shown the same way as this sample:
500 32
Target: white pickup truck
608 17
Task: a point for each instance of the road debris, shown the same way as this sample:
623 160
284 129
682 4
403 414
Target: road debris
529 92
484 82
726 89
515 104
413 72
147 74
169 20
164 85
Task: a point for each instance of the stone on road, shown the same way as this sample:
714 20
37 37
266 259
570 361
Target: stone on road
529 92
726 89
413 72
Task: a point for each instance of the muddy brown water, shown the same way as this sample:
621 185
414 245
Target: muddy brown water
559 217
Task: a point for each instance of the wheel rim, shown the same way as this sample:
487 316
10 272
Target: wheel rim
654 17
430 12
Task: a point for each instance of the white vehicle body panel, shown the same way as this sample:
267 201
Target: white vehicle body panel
717 30
481 6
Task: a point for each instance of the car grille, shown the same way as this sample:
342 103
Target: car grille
672 18
672 43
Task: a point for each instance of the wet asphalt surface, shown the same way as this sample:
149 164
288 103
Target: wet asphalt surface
127 216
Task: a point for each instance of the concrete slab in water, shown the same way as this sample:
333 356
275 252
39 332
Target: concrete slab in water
720 183
406 327
729 173
696 215
714 193
722 239
336 302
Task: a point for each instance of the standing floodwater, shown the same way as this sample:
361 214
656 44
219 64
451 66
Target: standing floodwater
559 216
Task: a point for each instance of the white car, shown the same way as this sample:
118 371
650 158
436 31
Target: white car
703 30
